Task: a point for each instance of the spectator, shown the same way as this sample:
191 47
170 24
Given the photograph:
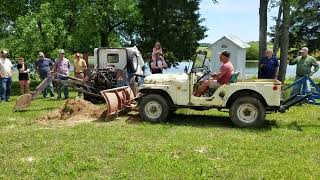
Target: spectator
43 67
80 67
220 78
23 76
304 64
268 66
62 66
158 63
5 76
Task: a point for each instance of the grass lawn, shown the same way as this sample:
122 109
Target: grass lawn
190 145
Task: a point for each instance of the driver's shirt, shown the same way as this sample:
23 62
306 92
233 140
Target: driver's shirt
226 71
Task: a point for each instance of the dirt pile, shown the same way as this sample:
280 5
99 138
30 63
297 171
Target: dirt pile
76 110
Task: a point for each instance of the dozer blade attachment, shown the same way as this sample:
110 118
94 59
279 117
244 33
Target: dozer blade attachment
118 100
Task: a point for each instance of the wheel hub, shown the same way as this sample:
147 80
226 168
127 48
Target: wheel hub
153 109
247 113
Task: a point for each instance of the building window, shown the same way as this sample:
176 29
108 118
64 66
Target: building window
113 58
224 46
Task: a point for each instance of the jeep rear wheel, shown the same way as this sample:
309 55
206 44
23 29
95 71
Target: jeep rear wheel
247 112
153 108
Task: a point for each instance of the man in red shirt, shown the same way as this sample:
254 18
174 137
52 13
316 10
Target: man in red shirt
220 78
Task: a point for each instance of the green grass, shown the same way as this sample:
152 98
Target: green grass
191 144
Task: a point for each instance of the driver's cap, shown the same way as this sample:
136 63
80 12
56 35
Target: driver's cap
225 53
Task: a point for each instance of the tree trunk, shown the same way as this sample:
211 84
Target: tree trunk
263 25
104 39
277 31
284 45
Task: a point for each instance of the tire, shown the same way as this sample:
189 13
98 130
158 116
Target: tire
247 111
153 108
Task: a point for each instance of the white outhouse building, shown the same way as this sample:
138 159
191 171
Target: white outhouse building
237 49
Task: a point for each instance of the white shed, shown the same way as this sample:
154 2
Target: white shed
237 49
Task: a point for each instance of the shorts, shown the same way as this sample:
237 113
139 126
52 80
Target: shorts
214 84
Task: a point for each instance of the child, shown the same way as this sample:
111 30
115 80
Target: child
23 76
158 62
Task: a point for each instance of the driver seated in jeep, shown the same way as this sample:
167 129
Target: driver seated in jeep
217 79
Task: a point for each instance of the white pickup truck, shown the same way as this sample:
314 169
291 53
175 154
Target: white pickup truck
247 100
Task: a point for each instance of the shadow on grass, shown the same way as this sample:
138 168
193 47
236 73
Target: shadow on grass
296 126
201 121
36 109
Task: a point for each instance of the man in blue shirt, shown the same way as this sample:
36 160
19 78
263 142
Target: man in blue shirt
43 67
268 66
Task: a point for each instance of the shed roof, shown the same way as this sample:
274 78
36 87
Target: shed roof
235 40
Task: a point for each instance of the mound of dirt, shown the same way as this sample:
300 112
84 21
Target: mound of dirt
75 110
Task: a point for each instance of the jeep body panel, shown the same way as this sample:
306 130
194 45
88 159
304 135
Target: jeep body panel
180 88
177 86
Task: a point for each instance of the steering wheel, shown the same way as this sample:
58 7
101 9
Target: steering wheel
206 72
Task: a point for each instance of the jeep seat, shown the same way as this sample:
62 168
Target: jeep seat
234 77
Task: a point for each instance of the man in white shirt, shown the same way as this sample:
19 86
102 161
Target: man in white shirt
5 76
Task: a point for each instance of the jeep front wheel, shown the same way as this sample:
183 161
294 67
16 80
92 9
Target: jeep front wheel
153 108
247 112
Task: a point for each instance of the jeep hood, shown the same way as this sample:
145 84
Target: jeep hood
165 78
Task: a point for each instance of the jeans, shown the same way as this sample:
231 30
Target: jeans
5 88
300 87
65 88
48 88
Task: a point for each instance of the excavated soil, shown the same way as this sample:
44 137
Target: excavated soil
75 111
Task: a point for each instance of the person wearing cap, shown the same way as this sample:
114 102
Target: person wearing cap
268 66
61 67
23 76
5 76
80 67
218 79
304 63
43 67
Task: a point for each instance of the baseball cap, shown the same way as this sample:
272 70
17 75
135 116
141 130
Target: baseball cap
61 51
225 53
41 54
4 52
304 49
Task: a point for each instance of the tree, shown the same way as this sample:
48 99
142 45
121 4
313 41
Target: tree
305 25
75 25
277 30
263 27
284 45
176 24
253 51
36 32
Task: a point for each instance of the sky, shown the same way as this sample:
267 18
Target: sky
233 17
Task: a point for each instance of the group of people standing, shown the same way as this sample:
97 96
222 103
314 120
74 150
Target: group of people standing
44 67
306 65
269 65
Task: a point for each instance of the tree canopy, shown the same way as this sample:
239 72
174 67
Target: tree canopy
27 27
176 24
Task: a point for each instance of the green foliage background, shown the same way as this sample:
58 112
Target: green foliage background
27 27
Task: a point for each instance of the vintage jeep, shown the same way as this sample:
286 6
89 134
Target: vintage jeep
247 100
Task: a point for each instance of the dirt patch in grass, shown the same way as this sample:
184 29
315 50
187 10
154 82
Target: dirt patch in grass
75 111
